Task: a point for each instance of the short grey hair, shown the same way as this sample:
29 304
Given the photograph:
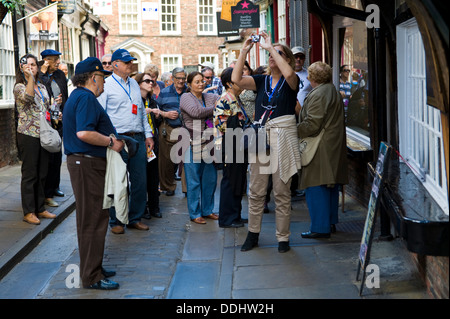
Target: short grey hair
106 56
178 70
165 76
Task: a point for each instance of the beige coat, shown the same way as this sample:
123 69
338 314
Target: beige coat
329 165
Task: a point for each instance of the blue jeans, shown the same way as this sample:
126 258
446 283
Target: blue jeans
323 204
137 170
201 182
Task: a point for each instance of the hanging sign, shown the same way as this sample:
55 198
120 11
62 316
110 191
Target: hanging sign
224 28
65 6
245 15
226 9
44 23
102 7
150 11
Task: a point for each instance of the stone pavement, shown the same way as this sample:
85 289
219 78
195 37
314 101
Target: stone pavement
177 259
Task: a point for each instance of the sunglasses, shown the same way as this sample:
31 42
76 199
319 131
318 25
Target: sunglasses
107 63
279 52
346 70
208 77
148 81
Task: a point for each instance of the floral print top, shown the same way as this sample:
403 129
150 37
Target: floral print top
29 108
228 105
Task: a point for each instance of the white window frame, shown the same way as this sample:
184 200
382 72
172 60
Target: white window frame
420 129
169 67
7 72
177 17
281 13
263 59
138 14
213 9
213 58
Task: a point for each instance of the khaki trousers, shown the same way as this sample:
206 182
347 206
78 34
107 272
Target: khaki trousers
166 166
257 195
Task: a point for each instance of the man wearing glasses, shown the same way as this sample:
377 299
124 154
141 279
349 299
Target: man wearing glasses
106 62
122 101
169 104
87 130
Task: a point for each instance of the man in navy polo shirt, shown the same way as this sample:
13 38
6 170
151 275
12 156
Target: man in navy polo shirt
87 130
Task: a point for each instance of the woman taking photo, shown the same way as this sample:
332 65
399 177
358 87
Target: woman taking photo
31 99
201 177
274 106
146 84
229 114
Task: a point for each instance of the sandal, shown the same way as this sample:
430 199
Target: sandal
213 216
199 220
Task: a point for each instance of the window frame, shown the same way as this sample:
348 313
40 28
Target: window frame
139 18
213 32
177 23
416 149
7 73
179 58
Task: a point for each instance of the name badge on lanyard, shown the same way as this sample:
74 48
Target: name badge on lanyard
134 109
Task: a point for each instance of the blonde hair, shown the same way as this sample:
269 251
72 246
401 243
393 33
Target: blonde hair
151 69
320 72
287 51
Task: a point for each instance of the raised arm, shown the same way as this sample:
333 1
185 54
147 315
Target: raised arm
244 82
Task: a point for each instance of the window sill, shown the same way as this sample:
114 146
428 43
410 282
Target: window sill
415 214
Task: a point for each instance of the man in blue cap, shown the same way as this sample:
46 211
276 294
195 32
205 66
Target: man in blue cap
56 84
123 102
87 130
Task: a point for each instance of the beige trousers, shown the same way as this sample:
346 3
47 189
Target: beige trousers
257 195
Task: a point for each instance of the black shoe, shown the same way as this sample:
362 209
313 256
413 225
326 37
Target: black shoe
170 193
156 213
233 225
310 234
104 284
177 178
108 273
244 220
283 246
266 208
250 242
59 193
333 228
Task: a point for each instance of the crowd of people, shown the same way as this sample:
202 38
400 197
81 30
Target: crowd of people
108 110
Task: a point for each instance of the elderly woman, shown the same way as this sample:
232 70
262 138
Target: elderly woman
229 114
31 99
201 177
275 100
327 170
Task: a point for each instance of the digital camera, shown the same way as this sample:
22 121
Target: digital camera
256 38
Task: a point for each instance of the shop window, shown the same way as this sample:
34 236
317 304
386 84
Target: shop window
420 130
7 72
351 77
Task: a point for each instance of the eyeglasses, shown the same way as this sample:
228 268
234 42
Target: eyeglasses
102 75
148 81
279 52
180 79
208 77
128 62
346 70
300 56
106 63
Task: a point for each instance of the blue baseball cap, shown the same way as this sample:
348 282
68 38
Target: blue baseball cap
88 65
49 52
122 55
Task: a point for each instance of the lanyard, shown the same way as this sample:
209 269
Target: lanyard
129 88
275 89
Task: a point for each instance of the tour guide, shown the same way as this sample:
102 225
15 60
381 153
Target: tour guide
87 130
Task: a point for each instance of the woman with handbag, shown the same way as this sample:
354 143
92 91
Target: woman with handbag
322 117
276 99
31 99
201 177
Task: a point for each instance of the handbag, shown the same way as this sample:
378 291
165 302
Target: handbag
50 139
308 147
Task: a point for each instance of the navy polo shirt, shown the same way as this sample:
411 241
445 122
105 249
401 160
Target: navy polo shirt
82 112
169 100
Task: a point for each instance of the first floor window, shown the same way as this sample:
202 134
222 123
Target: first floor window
130 17
7 72
170 62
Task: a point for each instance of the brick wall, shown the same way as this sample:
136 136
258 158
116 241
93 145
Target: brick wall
188 43
8 148
434 272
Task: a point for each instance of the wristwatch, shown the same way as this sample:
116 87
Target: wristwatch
111 142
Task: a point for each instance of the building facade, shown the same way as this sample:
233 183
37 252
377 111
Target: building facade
167 33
